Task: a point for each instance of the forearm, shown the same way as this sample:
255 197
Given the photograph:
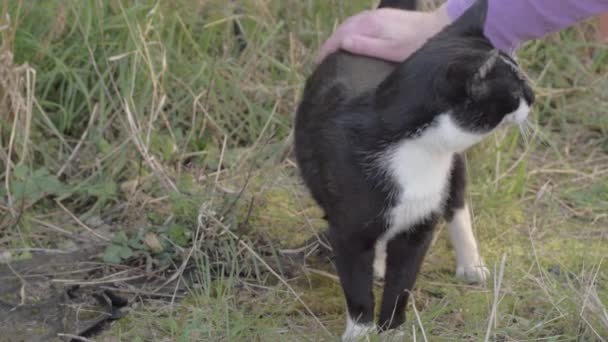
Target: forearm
512 22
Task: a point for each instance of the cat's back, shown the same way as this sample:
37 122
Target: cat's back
335 92
340 78
359 73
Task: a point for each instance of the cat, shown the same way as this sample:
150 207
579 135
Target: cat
380 146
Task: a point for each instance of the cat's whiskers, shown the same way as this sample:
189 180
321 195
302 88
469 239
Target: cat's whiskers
524 131
532 128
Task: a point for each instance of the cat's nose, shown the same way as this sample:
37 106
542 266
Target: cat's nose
529 95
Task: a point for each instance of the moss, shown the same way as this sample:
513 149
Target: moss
323 295
283 214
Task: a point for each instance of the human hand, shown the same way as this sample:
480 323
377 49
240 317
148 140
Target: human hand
385 33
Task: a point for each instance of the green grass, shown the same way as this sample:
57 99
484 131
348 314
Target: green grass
144 116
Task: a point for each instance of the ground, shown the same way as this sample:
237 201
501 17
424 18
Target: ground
148 134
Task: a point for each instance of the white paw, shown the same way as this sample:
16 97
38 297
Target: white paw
356 332
473 273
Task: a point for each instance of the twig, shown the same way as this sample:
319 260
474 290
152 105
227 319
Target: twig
82 224
322 273
43 250
23 283
75 337
140 292
52 226
98 282
221 161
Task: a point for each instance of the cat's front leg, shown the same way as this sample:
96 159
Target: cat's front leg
469 264
380 260
404 256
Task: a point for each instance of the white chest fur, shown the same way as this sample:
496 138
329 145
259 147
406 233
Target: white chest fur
421 177
420 170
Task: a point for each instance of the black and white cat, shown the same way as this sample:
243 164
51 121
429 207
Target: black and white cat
379 146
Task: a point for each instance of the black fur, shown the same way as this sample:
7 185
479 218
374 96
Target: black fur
354 108
399 4
458 184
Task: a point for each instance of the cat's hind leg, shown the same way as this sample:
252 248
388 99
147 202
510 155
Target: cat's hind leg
469 264
353 257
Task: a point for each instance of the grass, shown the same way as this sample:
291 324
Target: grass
141 125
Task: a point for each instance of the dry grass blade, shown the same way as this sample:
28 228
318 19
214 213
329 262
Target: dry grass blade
592 302
81 141
17 88
156 167
497 285
418 318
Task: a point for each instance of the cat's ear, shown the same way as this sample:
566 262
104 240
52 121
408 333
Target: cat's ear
477 86
473 20
472 71
487 65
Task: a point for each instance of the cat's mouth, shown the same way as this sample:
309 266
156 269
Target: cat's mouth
519 115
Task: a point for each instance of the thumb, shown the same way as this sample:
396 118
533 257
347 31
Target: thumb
372 47
330 46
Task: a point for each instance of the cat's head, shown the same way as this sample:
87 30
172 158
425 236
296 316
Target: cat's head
485 86
477 86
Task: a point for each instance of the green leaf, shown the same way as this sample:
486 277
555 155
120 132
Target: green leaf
48 184
116 253
112 254
20 171
120 238
178 234
135 242
103 189
125 252
163 145
35 186
18 190
41 172
103 145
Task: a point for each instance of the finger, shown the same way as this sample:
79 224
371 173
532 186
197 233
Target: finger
332 44
350 26
372 47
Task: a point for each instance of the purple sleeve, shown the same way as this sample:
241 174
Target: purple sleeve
512 22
